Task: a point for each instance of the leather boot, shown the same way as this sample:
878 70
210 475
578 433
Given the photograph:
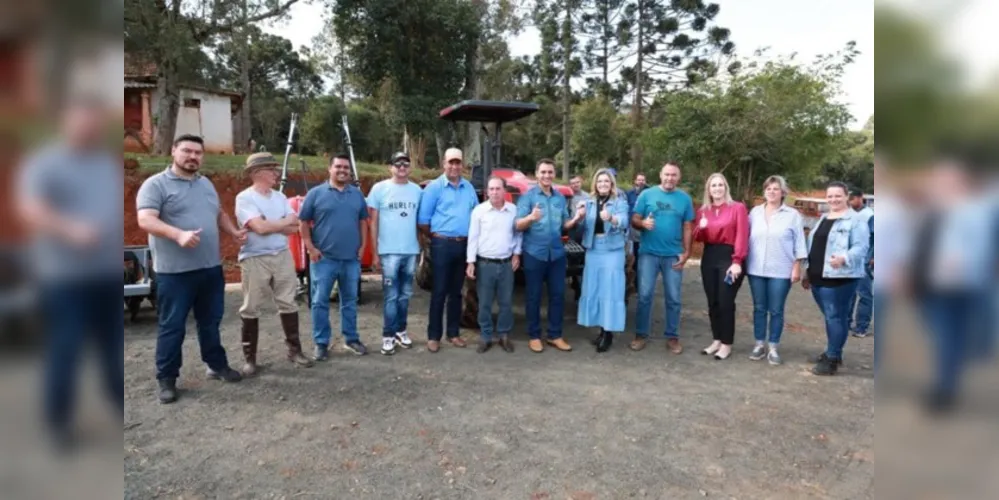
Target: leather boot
250 336
289 322
606 340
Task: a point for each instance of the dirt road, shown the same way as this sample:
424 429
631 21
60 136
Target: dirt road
507 426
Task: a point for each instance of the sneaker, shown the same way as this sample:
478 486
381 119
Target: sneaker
402 340
388 346
759 352
227 374
322 352
773 357
356 347
826 368
861 335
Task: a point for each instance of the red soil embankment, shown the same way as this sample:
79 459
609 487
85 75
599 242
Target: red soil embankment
228 186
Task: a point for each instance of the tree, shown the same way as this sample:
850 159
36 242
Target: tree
320 126
606 28
419 46
593 137
776 118
163 31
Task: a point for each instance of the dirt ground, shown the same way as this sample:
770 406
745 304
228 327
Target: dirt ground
507 426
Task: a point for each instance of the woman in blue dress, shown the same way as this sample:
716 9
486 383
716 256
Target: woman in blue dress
605 233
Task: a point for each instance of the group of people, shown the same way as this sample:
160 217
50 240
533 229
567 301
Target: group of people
487 242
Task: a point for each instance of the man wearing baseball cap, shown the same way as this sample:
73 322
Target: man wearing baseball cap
445 214
268 271
393 204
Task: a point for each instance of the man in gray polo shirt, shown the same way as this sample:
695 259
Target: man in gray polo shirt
180 210
267 269
334 228
67 198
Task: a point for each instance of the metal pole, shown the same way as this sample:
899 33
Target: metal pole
350 149
287 150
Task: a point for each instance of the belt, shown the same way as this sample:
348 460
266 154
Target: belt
492 261
449 238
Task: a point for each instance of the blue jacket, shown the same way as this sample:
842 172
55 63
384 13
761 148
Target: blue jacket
615 236
849 236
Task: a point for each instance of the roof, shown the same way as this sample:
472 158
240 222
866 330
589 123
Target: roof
488 111
132 84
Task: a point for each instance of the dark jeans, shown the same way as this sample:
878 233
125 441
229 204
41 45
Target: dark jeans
721 296
177 294
494 280
952 318
346 274
448 257
81 311
769 298
834 302
539 272
861 309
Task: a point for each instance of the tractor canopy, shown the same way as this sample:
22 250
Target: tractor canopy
488 111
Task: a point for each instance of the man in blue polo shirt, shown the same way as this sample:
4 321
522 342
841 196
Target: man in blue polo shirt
334 228
444 217
542 215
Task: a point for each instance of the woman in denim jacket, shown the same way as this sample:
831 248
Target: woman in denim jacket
837 259
605 233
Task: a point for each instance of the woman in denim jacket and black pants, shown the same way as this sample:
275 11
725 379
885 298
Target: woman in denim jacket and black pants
837 259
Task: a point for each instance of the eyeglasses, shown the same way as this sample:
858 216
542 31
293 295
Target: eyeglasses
401 165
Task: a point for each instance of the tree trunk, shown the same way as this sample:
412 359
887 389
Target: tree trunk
246 116
567 69
636 111
166 111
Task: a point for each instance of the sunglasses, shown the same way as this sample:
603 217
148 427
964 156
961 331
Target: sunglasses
401 165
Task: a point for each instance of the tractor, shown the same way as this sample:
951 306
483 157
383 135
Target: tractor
517 183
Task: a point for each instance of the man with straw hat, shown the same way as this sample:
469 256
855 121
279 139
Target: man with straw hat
268 270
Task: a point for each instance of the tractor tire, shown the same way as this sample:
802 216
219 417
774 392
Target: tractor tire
470 306
425 270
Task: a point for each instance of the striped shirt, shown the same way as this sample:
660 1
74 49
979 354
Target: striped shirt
775 246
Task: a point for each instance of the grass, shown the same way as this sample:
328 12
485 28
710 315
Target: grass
235 163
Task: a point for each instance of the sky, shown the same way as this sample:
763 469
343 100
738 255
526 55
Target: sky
807 27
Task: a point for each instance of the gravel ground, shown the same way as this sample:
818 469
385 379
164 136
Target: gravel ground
507 426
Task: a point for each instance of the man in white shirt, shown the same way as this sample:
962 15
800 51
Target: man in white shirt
493 256
268 271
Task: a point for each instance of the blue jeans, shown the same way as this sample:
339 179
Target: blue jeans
494 281
881 307
834 302
448 257
397 287
649 269
176 295
539 272
87 311
863 311
346 274
769 298
951 318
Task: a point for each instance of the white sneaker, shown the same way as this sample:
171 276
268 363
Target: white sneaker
388 346
403 340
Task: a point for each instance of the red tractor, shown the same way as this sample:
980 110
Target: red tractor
496 114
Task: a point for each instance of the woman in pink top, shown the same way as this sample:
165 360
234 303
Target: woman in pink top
723 226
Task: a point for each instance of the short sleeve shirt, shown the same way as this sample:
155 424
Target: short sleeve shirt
251 204
398 207
336 215
187 204
670 210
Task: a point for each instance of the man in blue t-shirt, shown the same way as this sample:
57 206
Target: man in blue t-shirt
394 204
334 228
663 215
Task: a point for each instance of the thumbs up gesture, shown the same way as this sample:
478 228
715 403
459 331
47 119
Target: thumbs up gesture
581 211
605 215
536 213
649 223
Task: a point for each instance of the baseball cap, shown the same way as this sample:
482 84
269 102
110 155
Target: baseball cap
399 158
453 154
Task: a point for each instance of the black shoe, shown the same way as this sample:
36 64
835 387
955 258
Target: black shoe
938 403
827 367
483 347
822 358
227 374
322 353
168 391
356 347
506 344
606 340
600 338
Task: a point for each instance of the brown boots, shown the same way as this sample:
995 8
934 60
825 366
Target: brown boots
251 334
289 322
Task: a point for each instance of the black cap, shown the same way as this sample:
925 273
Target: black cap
856 193
399 157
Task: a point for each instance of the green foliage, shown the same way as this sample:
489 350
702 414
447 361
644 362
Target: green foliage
593 136
777 118
320 125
